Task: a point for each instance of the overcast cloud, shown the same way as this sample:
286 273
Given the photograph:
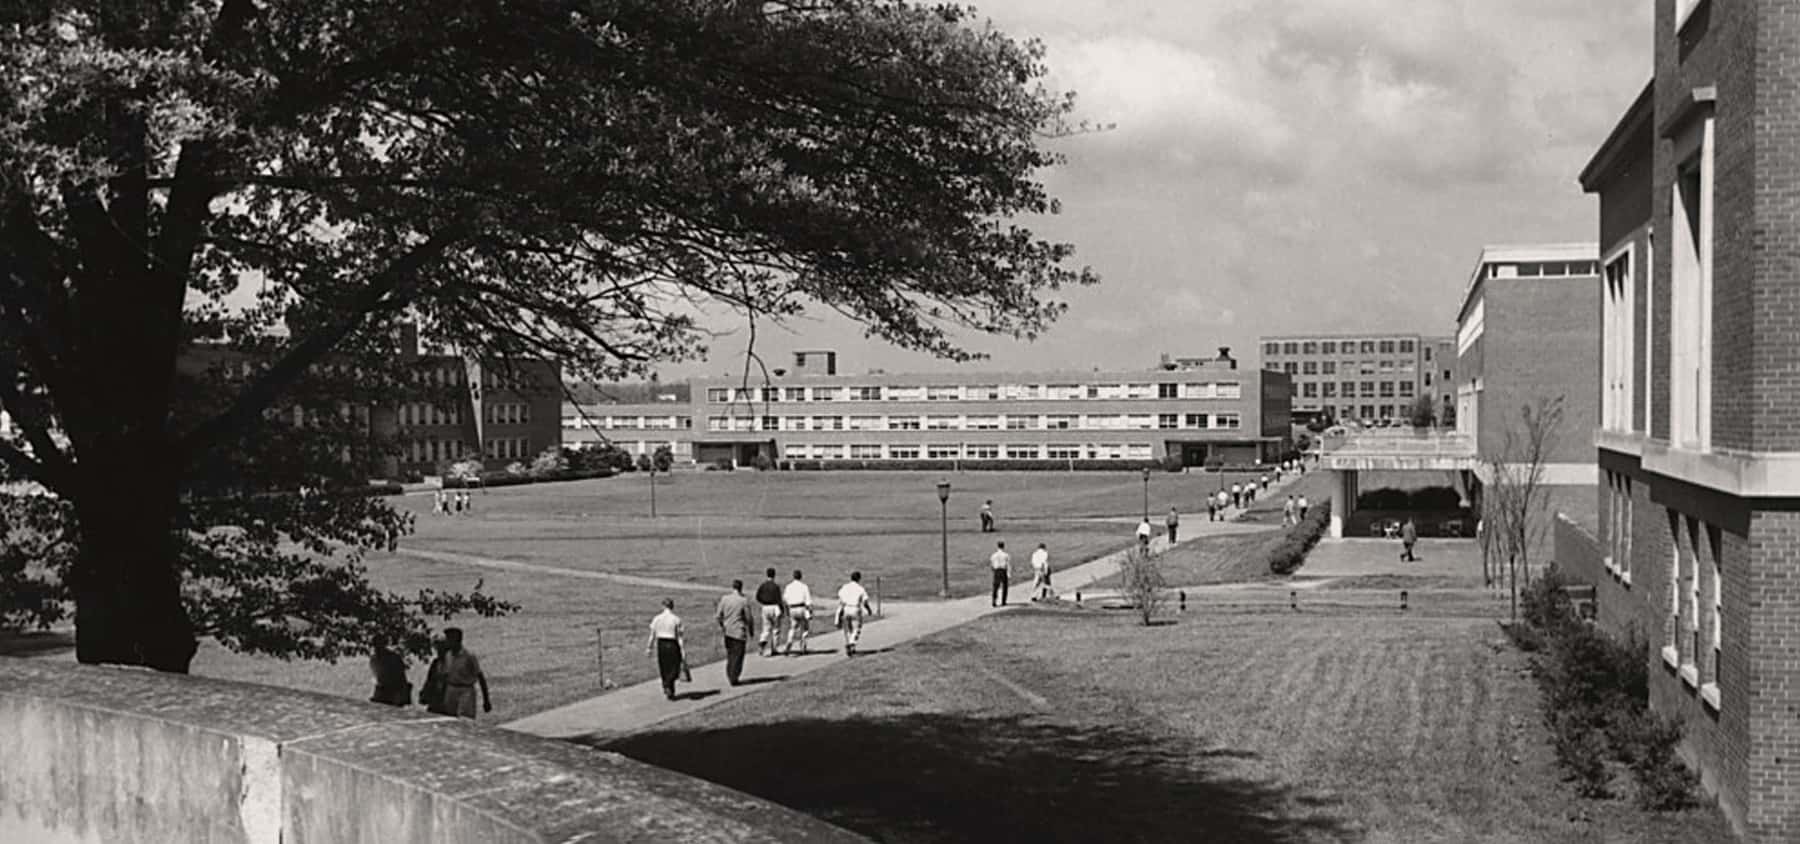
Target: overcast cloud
1297 165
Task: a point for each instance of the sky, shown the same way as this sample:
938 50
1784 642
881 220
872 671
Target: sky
1288 166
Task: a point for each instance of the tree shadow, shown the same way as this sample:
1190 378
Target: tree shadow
700 694
928 777
35 643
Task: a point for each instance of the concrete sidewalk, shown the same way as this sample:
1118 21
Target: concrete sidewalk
637 707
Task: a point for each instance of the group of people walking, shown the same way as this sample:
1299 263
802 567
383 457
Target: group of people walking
1000 564
737 622
450 681
449 502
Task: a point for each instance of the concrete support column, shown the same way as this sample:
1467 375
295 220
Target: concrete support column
1343 500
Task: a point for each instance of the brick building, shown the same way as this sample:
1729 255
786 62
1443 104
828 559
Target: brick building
1191 409
1525 333
1362 377
1699 434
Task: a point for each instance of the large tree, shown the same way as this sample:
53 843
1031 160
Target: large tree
577 180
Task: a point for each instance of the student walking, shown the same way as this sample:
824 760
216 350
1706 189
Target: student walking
1409 536
1265 482
853 607
666 634
462 674
1040 574
1212 508
439 505
987 516
1237 495
1143 535
1224 501
1173 522
768 596
389 670
1302 505
1000 563
1287 512
798 597
735 625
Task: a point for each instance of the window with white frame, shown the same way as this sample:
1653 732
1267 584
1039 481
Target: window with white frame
943 423
982 451
1021 391
943 451
1141 421
1197 391
982 392
871 393
865 451
1109 451
903 423
1105 421
828 451
1718 620
771 423
1020 422
1691 257
910 393
1168 421
795 394
1138 451
1140 391
1226 420
943 392
1228 390
1194 420
718 423
1022 452
902 452
828 423
794 423
825 393
1617 320
866 423
1060 421
1057 451
794 451
1063 392
982 423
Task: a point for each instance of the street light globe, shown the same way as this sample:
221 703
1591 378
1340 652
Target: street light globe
943 488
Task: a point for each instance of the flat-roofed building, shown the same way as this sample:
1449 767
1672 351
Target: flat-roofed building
1364 377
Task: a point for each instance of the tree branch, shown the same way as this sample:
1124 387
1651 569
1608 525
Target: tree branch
388 290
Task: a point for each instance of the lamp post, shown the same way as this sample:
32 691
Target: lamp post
653 488
1146 493
943 488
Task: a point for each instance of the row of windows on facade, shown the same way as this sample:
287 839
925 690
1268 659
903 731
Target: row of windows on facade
1009 422
1694 627
1343 347
1690 322
1536 269
436 451
966 451
985 392
1367 411
1368 389
1330 367
652 423
499 413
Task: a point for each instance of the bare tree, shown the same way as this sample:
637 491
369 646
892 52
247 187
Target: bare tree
1141 582
1513 503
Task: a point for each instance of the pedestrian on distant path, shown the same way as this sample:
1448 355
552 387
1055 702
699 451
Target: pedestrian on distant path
666 641
1237 495
439 504
431 694
1173 522
1212 508
987 516
1409 536
1288 510
768 595
1265 482
798 597
853 607
462 673
1303 506
389 671
735 624
1143 535
1001 564
1224 501
468 504
1040 574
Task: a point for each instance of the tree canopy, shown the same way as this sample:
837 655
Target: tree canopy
576 180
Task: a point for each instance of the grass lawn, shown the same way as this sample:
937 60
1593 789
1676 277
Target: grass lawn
1239 723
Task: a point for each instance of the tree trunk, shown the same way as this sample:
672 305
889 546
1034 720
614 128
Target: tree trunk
128 606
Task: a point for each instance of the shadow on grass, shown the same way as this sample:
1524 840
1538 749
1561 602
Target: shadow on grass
944 778
695 695
36 643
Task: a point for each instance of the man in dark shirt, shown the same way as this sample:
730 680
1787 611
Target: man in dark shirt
735 625
768 596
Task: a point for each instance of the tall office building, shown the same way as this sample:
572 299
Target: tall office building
1359 377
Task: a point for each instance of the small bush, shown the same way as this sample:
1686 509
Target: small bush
723 464
1142 583
763 463
1581 750
1646 743
1300 539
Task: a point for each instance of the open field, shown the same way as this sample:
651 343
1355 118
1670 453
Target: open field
1238 723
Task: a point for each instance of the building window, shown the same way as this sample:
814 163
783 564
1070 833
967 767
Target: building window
1387 389
1230 390
1385 347
1329 347
941 423
1290 367
1406 389
795 393
1290 348
1226 420
1616 323
825 394
1140 391
1063 452
794 451
770 394
771 423
1140 421
1271 348
1427 379
1348 389
1064 392
828 423
943 393
866 423
980 392
982 451
1328 389
865 394
903 452
795 423
1309 347
865 451
1690 388
1197 391
914 393
831 451
1059 422
1021 452
1711 687
1328 367
1309 368
1309 390
983 423
1406 347
943 451
1168 391
1019 422
903 423
1168 421
1194 420
1366 347
1368 389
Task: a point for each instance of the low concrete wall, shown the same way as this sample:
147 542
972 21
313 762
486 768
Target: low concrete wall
92 754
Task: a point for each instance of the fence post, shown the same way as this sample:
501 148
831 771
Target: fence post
878 596
600 654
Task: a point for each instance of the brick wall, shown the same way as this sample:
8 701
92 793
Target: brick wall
1540 341
1770 669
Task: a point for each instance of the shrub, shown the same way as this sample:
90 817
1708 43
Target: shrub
644 463
551 462
1300 539
1142 583
723 464
1647 742
1581 749
763 463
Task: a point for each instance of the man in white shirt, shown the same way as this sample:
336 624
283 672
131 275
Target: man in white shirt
1040 574
1143 535
1001 563
666 642
798 598
1303 505
853 605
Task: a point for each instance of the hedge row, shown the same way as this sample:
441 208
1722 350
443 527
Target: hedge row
493 479
1595 689
998 465
1429 498
1300 539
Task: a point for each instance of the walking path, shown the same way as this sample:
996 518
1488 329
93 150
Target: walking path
637 707
535 568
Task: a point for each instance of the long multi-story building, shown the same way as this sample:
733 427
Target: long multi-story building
638 421
1699 541
1361 377
1196 411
